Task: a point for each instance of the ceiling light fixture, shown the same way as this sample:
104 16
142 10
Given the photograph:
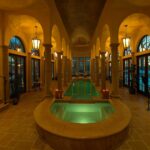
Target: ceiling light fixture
36 41
126 40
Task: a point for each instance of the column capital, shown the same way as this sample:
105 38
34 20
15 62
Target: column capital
60 52
132 53
4 46
102 52
114 45
65 57
96 57
47 45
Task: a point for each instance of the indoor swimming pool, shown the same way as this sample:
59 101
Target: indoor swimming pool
81 89
82 113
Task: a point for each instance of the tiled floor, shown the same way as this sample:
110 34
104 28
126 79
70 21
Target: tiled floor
17 127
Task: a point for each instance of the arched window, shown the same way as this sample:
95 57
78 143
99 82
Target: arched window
127 51
144 44
16 44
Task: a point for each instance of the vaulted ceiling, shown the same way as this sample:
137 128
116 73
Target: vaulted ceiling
80 18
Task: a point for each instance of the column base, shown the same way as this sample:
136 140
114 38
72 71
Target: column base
114 95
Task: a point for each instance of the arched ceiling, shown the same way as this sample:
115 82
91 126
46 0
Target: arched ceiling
15 4
135 23
25 24
140 2
80 18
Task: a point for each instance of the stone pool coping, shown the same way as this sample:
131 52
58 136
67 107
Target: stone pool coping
118 121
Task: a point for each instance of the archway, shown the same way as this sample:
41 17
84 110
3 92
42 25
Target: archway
135 67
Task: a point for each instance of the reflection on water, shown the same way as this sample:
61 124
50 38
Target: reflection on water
82 113
81 89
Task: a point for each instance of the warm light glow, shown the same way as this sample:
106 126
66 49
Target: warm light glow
61 56
106 54
18 49
126 42
55 54
35 43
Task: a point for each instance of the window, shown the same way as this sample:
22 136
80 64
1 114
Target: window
16 44
80 66
35 52
144 43
127 51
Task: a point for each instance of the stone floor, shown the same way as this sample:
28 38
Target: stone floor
17 127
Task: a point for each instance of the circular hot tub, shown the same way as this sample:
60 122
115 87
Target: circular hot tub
82 126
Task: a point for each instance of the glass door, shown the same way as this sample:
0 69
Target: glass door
87 66
35 70
127 73
17 74
141 73
81 65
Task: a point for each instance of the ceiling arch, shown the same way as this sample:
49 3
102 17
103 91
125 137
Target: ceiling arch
80 18
15 4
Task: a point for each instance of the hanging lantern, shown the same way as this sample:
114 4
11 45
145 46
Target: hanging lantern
36 41
126 40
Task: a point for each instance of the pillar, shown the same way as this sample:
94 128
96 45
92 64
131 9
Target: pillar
48 75
120 71
103 70
70 70
97 70
5 74
59 75
65 70
42 70
115 70
29 72
94 69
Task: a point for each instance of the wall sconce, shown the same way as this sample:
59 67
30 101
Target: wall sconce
36 41
55 54
126 40
106 54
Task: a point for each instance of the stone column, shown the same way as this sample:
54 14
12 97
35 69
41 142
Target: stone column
5 73
65 70
42 71
48 74
70 69
120 71
133 58
97 70
103 70
91 69
115 70
93 74
77 69
29 72
59 75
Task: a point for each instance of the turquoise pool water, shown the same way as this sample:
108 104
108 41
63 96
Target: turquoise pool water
81 89
82 113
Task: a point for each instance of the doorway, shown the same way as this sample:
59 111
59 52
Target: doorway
143 73
127 74
17 74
